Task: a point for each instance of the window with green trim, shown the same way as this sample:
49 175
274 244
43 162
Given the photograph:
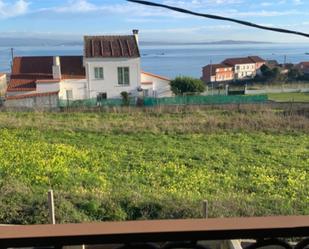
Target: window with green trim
123 76
99 73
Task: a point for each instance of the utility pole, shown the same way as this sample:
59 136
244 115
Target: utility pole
212 83
205 209
285 59
12 58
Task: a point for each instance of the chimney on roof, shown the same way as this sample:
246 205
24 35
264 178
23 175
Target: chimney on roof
135 33
56 68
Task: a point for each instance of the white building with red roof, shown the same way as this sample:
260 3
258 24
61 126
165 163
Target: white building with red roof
304 67
3 84
110 65
245 67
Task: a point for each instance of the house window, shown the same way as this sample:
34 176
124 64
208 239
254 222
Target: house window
101 96
69 94
123 76
99 73
146 92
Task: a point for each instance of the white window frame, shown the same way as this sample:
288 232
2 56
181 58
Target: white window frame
122 79
98 73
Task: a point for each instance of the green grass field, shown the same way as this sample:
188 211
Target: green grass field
289 97
138 165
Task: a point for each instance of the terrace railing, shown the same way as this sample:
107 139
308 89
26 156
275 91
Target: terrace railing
167 234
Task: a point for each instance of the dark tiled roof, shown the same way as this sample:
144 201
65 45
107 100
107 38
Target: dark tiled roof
111 46
305 64
214 67
27 70
257 59
237 61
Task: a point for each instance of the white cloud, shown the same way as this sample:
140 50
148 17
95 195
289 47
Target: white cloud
77 6
9 9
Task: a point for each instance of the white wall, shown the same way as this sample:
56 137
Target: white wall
3 84
161 86
245 71
78 87
109 84
44 102
47 87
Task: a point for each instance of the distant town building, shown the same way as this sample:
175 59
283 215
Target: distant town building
304 67
245 68
233 69
272 63
217 73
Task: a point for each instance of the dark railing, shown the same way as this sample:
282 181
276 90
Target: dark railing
165 234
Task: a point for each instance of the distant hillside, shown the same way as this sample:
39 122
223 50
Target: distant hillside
17 42
225 42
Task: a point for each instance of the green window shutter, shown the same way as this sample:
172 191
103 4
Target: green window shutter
126 76
101 73
120 76
96 73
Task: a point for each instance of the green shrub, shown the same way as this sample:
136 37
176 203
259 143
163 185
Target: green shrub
184 84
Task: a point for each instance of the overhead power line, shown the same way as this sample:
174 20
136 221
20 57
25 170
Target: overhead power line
280 30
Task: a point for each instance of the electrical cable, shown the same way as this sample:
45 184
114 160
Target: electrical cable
246 23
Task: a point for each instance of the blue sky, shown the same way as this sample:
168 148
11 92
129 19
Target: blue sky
70 19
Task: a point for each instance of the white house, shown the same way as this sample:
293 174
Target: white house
155 85
110 65
3 83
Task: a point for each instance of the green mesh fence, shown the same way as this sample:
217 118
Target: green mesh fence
178 100
206 100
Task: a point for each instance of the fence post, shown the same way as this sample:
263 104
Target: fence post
205 209
51 207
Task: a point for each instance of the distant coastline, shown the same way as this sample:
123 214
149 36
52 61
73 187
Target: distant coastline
36 42
224 42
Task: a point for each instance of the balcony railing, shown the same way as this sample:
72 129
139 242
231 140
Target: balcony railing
166 234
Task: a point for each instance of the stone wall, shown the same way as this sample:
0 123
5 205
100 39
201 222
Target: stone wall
33 102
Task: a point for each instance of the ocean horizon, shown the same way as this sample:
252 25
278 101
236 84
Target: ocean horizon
175 60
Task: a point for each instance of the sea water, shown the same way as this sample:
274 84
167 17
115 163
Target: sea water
174 60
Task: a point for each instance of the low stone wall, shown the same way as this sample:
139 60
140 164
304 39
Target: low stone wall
276 90
34 102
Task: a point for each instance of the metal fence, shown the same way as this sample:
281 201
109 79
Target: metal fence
177 100
205 100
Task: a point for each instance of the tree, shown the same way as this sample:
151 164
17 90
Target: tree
294 74
266 71
183 84
273 75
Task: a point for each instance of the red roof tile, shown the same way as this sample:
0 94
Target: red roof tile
156 76
257 59
214 67
25 96
111 46
28 70
237 61
243 60
305 64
